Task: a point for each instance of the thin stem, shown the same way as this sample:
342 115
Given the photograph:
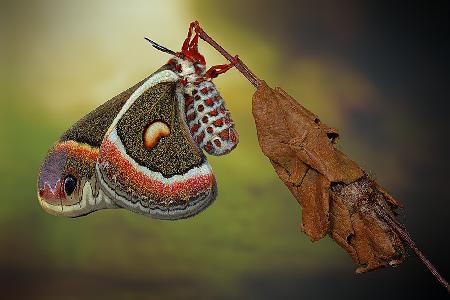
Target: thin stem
409 241
235 60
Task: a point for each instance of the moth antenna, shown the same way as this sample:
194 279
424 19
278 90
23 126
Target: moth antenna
159 47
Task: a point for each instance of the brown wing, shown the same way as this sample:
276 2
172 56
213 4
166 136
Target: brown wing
148 161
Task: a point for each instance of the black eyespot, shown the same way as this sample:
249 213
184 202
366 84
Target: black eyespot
70 183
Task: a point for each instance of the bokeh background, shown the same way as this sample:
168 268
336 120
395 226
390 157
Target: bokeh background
378 71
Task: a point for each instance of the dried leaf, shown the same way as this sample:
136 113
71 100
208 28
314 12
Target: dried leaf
336 195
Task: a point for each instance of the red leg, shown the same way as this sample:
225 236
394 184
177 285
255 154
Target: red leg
194 43
186 42
190 47
216 70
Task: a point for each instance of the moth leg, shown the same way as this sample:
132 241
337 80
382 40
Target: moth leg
187 42
194 43
216 70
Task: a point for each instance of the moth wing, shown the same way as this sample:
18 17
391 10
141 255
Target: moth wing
148 161
75 155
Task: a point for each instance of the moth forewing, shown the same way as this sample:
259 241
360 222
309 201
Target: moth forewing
158 77
169 180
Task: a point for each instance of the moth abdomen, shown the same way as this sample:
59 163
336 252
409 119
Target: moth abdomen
208 119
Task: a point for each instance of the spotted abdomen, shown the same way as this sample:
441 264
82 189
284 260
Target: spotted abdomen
209 121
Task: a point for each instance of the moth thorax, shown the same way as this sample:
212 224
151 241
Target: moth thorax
208 119
188 71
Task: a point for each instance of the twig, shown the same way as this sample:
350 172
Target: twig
408 240
235 60
239 64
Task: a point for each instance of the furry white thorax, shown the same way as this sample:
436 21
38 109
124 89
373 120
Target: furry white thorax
188 72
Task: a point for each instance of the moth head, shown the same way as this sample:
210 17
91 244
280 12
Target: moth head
63 174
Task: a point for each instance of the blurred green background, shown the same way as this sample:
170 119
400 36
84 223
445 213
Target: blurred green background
378 72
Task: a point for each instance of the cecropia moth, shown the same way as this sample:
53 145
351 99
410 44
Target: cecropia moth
142 150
